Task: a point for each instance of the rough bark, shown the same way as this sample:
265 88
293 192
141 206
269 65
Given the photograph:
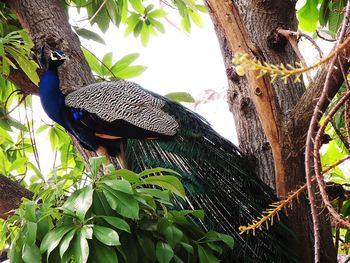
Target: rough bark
261 18
47 24
11 194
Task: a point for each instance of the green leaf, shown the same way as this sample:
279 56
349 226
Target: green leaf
37 172
157 170
187 247
145 34
158 25
119 185
161 194
53 138
167 182
80 201
213 236
86 231
164 252
123 203
16 124
80 248
66 241
205 255
19 165
104 254
137 5
138 28
93 62
42 128
180 97
128 175
53 238
102 20
100 204
132 21
131 72
172 234
186 24
196 18
202 8
28 66
308 16
157 13
90 35
117 223
107 63
15 254
324 12
31 254
123 9
112 10
124 62
106 235
95 164
336 15
147 247
30 233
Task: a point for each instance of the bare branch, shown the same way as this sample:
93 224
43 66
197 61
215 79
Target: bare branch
292 39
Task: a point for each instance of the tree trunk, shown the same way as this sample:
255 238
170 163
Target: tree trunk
261 18
48 25
11 194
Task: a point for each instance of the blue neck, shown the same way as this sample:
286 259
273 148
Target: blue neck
52 99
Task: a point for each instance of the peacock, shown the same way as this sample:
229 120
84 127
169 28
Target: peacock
146 130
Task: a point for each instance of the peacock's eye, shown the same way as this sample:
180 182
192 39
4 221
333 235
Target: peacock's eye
54 56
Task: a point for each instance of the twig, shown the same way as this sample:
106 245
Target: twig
269 214
292 39
323 101
313 42
168 20
98 11
285 72
6 115
317 165
324 38
337 233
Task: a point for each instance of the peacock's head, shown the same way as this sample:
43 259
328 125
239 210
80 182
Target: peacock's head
56 59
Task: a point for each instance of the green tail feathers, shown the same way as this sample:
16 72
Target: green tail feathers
216 180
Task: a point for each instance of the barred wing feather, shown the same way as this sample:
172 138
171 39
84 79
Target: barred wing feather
127 101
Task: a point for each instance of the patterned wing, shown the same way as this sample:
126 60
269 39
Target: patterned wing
127 101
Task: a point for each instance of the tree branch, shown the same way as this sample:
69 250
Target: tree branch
302 112
11 194
20 79
229 21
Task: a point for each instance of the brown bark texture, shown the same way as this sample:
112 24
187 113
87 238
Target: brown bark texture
294 106
11 194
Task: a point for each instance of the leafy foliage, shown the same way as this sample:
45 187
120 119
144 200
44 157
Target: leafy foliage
113 218
326 13
15 46
140 19
121 69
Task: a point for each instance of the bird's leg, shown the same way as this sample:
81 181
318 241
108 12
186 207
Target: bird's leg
121 156
102 151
